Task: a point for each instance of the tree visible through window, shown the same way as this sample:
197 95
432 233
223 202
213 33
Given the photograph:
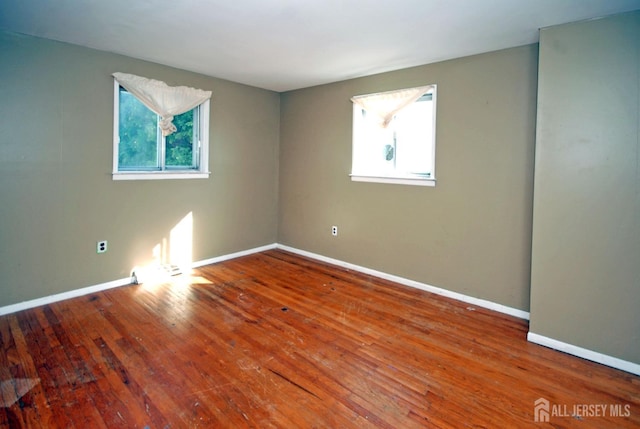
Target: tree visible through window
160 131
142 146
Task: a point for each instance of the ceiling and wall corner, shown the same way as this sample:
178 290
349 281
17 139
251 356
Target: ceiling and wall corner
288 44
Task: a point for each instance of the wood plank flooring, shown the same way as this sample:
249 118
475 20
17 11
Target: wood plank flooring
277 340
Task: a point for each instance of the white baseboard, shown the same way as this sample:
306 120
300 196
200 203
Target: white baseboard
412 283
233 255
13 308
531 336
597 357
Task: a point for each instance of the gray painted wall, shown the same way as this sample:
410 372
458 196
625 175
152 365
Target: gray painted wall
280 166
585 280
471 233
56 192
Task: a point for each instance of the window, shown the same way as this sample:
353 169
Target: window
394 137
142 150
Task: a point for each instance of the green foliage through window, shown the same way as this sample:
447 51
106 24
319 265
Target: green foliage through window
142 146
180 143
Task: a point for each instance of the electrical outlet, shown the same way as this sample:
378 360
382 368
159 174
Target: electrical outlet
334 231
101 246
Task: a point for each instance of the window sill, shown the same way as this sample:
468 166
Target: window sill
415 181
159 175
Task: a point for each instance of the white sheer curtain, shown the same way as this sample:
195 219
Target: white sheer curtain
164 100
384 105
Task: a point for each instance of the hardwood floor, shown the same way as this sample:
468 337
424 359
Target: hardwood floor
277 340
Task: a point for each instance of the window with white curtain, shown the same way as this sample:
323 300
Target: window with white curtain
394 136
160 132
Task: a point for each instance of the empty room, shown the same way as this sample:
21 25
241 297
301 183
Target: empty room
320 214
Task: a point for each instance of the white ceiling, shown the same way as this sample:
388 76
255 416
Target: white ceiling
289 44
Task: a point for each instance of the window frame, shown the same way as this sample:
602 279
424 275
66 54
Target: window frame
398 178
202 172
